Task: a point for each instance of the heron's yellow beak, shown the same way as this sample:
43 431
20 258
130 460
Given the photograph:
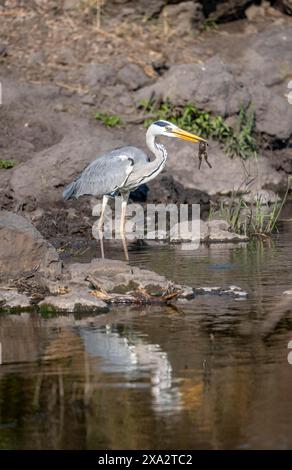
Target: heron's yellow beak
184 135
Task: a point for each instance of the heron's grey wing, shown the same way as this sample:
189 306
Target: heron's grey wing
107 173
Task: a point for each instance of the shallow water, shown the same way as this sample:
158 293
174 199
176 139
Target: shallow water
210 373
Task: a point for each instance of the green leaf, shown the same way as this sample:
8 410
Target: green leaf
6 164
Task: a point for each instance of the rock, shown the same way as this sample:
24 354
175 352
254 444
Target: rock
282 161
219 230
79 299
116 281
157 235
37 58
36 215
88 99
267 58
187 292
204 230
262 196
165 189
92 286
213 86
71 4
223 89
60 108
189 231
65 56
231 291
211 231
12 299
218 224
226 176
254 12
42 178
23 248
183 17
149 8
132 76
118 95
268 106
114 276
94 75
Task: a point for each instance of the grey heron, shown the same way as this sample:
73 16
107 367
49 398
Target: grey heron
123 170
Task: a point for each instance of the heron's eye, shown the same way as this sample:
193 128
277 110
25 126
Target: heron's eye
168 128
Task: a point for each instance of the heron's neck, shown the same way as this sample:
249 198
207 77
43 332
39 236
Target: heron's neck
148 171
158 149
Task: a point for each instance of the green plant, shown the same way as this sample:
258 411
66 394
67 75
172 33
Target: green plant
6 164
209 25
239 141
109 120
258 219
242 142
47 311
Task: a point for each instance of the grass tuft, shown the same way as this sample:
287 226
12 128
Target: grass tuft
258 219
210 25
6 164
109 120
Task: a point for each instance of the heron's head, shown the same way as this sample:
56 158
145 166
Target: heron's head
167 129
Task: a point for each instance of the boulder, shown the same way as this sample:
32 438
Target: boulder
132 76
22 247
213 86
216 230
273 113
149 8
65 56
12 299
79 299
114 275
183 17
267 56
165 189
94 75
219 230
230 291
223 89
42 178
226 175
91 287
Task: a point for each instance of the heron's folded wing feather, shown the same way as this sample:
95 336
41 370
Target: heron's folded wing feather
109 172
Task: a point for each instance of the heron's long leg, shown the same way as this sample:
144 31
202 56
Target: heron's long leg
101 222
125 198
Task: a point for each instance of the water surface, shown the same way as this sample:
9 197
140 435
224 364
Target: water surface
211 373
